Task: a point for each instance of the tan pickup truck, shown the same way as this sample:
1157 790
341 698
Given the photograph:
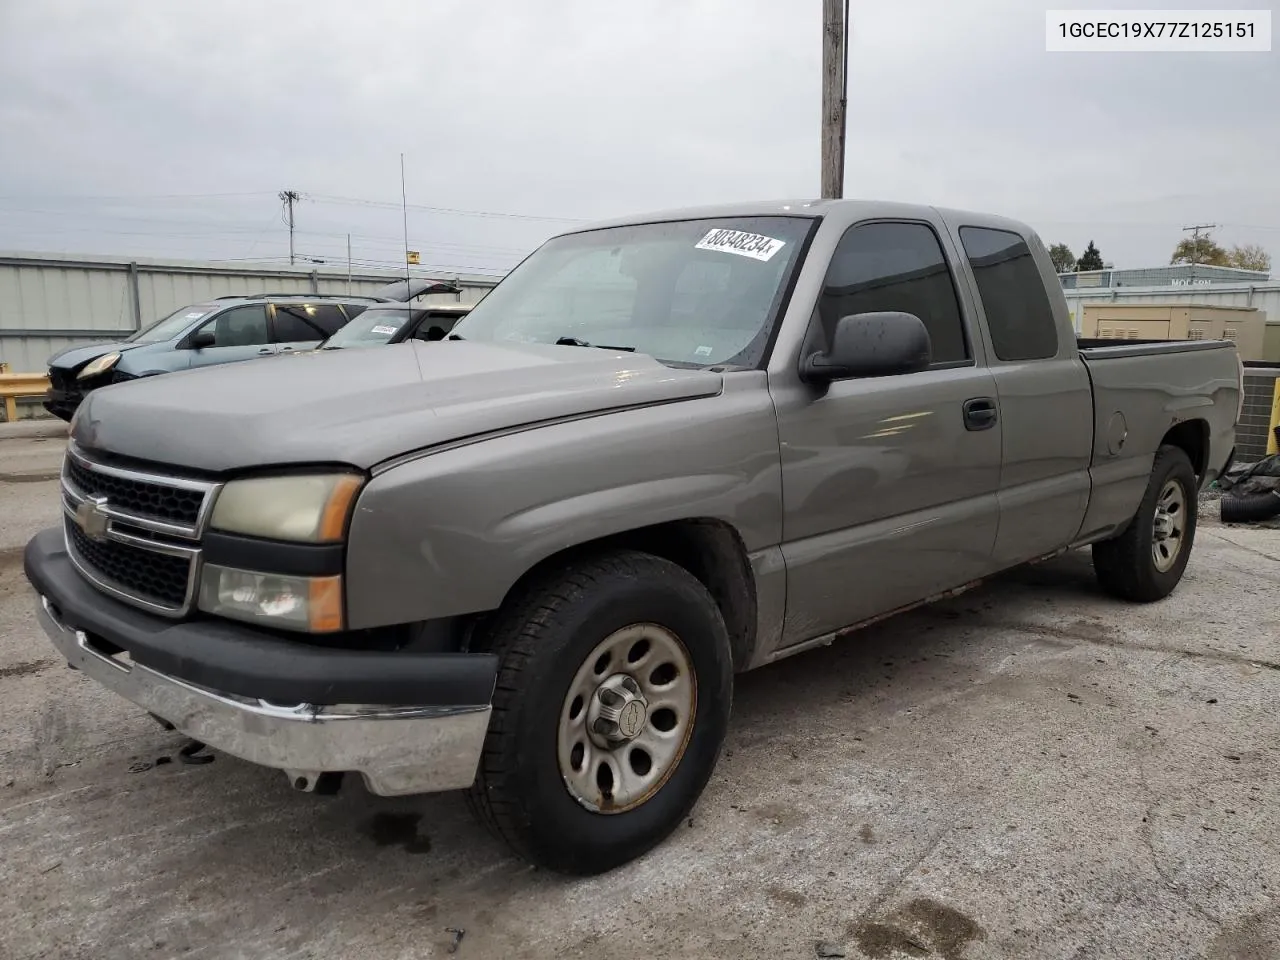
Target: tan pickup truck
528 560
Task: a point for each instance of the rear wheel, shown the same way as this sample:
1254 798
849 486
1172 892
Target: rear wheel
611 706
1146 561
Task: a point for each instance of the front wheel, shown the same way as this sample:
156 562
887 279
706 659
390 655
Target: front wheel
610 710
1146 561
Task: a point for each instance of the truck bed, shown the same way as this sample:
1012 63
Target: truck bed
1141 390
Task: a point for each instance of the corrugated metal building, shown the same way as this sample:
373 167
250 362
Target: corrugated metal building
1178 275
48 303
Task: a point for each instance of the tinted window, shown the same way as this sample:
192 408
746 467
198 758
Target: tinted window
296 322
239 327
895 266
1019 315
330 318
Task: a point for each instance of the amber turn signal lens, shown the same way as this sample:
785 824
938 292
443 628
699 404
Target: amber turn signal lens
333 522
324 606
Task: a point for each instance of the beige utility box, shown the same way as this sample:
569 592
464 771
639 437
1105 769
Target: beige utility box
1178 321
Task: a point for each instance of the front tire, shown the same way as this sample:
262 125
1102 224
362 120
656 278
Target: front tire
611 707
1145 562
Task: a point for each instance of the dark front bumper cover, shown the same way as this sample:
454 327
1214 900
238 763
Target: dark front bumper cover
237 659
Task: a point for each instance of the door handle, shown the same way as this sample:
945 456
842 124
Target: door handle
285 349
980 413
265 350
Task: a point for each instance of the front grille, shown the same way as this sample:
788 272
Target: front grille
154 577
140 497
61 379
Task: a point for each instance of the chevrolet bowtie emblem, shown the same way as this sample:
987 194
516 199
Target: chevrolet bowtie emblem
92 518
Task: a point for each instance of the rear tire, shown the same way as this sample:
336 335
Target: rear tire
574 776
1146 561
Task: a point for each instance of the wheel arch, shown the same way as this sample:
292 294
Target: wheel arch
1192 438
711 550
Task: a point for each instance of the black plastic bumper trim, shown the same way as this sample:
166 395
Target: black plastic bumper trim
237 659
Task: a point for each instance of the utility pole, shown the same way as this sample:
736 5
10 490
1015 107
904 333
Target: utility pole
348 264
288 198
835 66
1195 238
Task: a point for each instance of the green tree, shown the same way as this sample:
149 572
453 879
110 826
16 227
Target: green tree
1091 259
1064 261
1201 249
1250 256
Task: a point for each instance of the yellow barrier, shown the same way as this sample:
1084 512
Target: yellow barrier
15 385
1272 446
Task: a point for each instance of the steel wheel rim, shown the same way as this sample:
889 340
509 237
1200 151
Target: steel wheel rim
1169 526
643 664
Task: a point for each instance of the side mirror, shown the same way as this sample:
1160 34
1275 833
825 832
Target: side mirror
201 340
871 345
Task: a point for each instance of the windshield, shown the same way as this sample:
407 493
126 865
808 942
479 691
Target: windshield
689 293
171 326
372 327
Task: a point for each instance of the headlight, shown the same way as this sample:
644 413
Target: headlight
308 508
313 604
101 365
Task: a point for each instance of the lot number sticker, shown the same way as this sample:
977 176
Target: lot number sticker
743 244
383 329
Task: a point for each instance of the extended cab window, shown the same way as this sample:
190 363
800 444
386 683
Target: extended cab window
896 267
239 327
1018 311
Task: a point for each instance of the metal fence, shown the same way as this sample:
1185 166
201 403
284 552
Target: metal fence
48 303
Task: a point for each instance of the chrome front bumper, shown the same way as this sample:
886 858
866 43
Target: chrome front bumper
397 750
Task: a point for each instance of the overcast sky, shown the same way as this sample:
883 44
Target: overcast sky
160 128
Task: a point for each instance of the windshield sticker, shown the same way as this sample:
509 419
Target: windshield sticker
195 315
382 328
743 244
702 352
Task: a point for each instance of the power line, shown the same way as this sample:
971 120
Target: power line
1195 238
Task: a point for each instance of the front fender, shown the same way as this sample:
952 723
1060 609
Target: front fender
449 533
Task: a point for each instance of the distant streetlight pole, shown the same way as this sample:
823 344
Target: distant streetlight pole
835 68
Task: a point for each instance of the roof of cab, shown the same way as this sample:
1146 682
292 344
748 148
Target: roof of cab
807 208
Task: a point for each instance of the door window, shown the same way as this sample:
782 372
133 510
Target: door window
297 322
1018 311
896 267
239 327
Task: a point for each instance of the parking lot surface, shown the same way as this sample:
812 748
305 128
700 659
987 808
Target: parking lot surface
1031 770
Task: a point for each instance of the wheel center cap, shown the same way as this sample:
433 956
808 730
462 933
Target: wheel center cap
1163 525
631 719
618 712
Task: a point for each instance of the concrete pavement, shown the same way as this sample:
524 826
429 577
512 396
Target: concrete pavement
1031 770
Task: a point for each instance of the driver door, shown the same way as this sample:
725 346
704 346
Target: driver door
238 334
889 493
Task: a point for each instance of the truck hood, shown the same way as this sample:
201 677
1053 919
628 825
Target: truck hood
74 357
362 407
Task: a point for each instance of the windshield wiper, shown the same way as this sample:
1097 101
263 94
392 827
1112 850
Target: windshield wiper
575 342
